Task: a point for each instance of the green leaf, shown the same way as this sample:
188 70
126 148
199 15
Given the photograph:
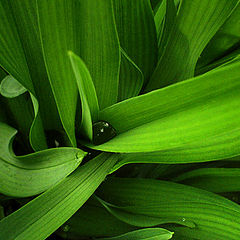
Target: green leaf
100 48
26 22
20 115
137 33
212 214
166 27
13 60
58 204
56 41
212 179
2 215
148 233
2 74
11 88
159 19
34 173
93 220
196 119
139 220
195 25
225 40
226 60
130 79
89 101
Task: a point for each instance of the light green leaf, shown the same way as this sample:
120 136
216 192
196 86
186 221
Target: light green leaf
13 60
196 118
11 88
212 214
137 33
197 22
130 79
58 204
212 179
148 234
89 101
34 173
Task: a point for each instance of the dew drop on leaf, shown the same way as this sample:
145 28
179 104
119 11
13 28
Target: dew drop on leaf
66 228
102 132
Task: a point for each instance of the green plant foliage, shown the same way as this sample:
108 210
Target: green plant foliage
148 233
144 90
213 215
21 175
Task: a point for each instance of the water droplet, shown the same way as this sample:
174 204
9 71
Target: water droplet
66 228
183 219
102 132
57 144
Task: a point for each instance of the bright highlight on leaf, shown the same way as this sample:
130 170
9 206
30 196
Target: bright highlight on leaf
11 88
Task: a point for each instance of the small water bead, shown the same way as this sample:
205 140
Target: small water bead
102 132
66 228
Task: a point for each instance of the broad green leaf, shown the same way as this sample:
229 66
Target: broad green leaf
93 220
147 233
11 88
26 22
13 60
34 173
58 204
139 220
226 39
130 79
159 18
57 21
212 179
100 48
212 214
87 93
197 22
165 28
196 119
137 33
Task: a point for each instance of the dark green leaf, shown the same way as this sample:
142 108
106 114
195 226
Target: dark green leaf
197 22
213 215
58 204
130 79
137 33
